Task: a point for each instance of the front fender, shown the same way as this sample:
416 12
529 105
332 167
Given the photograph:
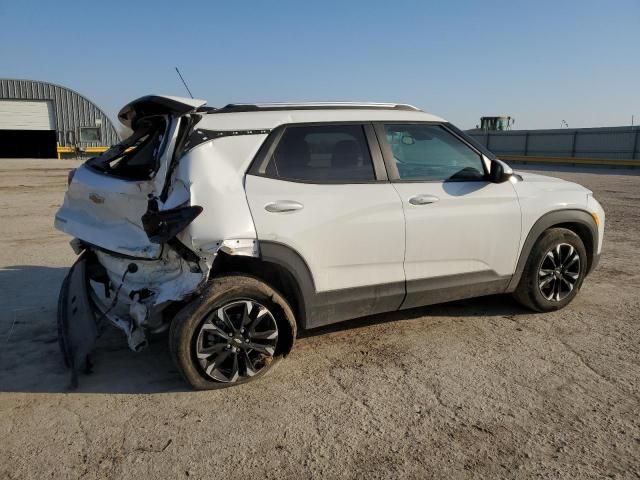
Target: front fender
558 218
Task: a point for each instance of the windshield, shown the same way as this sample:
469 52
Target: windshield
502 124
137 157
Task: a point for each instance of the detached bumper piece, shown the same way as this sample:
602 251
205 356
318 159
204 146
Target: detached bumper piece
77 324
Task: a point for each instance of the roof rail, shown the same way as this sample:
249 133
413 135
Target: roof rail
265 107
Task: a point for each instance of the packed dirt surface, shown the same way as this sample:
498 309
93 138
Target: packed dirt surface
478 388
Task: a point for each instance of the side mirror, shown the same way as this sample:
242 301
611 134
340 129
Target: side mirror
499 172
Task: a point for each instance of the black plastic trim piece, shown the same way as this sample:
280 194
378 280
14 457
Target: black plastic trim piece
549 220
429 291
201 135
345 304
78 326
376 153
325 308
161 226
289 259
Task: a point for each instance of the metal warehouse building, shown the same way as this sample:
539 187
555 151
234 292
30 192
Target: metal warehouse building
38 117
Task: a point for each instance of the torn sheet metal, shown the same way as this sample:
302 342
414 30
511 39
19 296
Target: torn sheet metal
169 278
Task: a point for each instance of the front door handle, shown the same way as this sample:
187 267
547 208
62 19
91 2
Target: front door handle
423 199
282 206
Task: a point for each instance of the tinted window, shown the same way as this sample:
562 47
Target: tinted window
429 152
327 153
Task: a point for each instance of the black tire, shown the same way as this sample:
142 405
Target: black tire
529 292
223 291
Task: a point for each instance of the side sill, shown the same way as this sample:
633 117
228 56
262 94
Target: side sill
340 305
454 287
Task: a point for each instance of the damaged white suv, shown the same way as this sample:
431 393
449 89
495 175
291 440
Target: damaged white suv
234 227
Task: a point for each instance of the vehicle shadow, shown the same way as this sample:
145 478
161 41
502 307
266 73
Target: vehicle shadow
30 359
501 306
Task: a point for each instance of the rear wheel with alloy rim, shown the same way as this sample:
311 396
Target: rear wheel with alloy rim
236 331
236 341
554 271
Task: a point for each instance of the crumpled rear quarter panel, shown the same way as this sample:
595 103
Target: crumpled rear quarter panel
214 173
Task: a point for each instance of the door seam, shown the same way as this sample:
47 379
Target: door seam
404 255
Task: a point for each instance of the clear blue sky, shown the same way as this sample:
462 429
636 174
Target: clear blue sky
541 61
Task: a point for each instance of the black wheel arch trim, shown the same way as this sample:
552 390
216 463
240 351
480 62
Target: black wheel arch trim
289 259
557 218
328 307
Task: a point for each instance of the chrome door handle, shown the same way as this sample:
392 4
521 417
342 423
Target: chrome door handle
282 206
423 199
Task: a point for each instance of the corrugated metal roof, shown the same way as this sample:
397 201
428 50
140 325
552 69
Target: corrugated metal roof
71 110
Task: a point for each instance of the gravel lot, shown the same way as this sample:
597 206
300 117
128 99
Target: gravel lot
478 388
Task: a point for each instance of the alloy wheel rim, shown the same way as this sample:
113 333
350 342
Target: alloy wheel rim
559 272
236 341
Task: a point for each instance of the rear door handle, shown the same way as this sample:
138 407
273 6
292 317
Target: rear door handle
282 206
423 199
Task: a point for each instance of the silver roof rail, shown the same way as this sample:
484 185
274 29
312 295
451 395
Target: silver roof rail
258 107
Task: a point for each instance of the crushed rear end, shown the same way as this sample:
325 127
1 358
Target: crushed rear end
136 263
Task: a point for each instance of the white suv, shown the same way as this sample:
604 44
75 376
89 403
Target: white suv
236 226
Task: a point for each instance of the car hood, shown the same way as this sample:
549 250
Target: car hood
546 183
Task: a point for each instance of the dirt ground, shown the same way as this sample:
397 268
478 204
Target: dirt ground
478 388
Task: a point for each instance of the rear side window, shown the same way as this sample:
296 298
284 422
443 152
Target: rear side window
322 153
431 153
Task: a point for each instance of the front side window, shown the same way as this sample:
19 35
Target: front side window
322 153
431 153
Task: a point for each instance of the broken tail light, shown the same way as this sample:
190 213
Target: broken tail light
162 226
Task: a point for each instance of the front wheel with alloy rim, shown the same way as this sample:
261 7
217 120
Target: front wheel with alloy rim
235 331
554 271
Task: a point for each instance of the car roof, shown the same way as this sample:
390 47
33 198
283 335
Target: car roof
257 116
